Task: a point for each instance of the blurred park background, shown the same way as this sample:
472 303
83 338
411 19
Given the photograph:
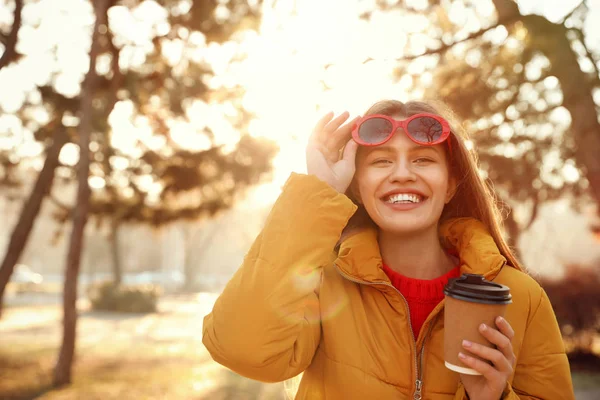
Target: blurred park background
192 114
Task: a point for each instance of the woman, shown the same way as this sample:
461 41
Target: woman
345 281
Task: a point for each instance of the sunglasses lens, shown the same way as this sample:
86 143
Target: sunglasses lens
375 130
425 129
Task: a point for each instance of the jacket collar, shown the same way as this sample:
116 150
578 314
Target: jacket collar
359 256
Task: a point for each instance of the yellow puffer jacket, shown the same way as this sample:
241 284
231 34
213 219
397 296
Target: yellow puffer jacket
296 306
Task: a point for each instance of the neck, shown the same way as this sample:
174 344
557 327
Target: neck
415 255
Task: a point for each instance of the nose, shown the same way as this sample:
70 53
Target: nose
402 172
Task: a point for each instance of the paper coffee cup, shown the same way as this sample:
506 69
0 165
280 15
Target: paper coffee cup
470 301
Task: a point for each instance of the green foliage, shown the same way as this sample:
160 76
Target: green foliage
108 296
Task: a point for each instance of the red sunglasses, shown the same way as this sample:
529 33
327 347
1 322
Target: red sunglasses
424 129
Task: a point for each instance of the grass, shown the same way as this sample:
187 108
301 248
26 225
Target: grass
97 378
139 373
143 372
155 356
23 372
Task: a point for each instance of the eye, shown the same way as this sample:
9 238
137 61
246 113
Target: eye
381 161
424 160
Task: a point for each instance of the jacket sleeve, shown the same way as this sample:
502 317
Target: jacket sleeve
542 371
266 323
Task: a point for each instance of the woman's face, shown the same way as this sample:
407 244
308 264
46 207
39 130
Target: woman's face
402 185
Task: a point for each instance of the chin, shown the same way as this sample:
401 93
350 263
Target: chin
403 230
406 224
405 227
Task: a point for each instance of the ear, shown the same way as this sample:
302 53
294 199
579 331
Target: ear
451 191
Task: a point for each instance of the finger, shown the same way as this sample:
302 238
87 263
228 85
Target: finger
350 150
338 138
505 328
501 341
318 129
336 123
489 372
487 353
327 147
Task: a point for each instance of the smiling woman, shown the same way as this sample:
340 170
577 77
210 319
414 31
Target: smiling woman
347 276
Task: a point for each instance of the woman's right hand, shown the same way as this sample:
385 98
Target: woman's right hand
323 151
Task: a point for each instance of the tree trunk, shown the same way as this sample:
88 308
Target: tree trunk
577 95
10 46
62 371
551 39
115 254
22 229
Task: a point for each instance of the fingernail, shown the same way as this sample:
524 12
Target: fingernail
466 343
483 327
462 356
500 320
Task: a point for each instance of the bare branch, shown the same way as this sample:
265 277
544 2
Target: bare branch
588 52
573 11
506 9
10 52
117 78
446 46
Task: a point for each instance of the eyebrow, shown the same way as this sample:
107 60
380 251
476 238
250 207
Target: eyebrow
383 148
392 149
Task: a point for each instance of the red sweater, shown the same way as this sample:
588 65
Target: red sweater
422 295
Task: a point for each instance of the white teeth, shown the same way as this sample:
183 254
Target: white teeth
404 197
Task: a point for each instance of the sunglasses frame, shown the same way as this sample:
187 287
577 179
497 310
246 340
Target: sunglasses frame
404 125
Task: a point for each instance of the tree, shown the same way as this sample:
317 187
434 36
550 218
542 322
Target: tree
29 212
43 183
10 41
146 183
513 80
62 371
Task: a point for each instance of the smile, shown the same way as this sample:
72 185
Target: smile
404 198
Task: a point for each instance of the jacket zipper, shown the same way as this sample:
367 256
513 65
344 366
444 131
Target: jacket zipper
419 382
417 395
